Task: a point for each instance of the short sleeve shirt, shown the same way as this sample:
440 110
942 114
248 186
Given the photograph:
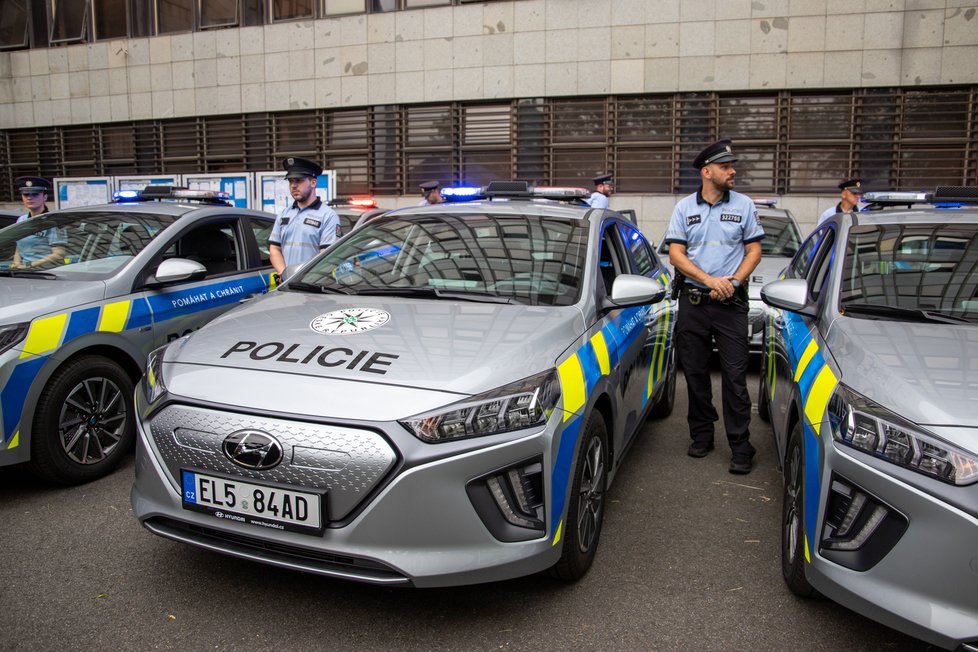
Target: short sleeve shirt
302 232
598 200
715 236
37 246
832 210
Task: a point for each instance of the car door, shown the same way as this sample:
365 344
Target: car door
229 248
793 333
629 327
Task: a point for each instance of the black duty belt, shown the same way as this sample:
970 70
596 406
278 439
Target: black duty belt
696 297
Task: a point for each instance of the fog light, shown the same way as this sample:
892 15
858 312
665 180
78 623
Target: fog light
510 501
859 530
517 494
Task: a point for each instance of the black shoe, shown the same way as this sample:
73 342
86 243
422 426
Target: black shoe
699 449
741 465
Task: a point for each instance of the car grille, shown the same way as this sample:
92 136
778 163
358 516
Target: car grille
279 554
346 462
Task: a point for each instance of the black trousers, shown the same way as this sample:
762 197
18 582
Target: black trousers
696 328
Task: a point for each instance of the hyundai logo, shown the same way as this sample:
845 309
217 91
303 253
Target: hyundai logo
253 449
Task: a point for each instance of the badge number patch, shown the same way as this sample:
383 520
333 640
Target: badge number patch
349 321
730 217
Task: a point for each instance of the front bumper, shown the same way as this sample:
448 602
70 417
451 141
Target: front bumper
926 584
417 526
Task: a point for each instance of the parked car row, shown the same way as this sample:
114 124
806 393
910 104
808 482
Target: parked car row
445 395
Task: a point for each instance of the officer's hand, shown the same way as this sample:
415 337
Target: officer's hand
720 288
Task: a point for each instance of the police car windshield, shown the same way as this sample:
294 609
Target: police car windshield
532 260
928 268
781 236
78 246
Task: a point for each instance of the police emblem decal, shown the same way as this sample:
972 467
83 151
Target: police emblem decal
349 321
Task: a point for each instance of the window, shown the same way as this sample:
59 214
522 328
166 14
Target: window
14 24
68 21
642 262
212 245
340 7
262 229
174 16
110 18
292 9
218 13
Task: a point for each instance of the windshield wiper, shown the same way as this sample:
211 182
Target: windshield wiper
916 314
299 286
435 293
29 273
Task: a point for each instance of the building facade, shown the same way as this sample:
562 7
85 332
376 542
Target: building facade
394 92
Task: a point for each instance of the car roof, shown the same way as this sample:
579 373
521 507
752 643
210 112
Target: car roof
922 215
166 208
536 207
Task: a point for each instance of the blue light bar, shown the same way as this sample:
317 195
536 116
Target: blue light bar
461 191
125 195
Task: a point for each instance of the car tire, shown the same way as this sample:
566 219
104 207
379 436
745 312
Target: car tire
763 402
84 423
585 512
667 400
793 517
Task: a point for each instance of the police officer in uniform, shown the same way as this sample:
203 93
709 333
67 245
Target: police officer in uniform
431 192
715 243
851 191
45 246
307 226
604 187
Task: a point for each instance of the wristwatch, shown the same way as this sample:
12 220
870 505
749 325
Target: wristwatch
735 282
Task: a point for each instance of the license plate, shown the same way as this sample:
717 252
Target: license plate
244 502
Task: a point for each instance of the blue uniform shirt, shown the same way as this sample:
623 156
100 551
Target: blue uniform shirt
832 210
35 247
598 200
301 233
715 235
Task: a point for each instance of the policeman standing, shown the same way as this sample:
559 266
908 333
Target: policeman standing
849 199
306 227
604 187
431 191
715 243
45 246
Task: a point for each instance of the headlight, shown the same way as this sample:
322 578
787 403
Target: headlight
12 334
858 422
153 385
523 404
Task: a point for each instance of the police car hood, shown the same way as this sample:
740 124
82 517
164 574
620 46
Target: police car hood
769 269
922 371
23 299
313 354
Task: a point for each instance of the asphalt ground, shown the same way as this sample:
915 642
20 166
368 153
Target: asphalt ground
689 560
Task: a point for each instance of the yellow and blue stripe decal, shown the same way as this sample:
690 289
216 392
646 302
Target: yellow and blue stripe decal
816 382
578 375
47 334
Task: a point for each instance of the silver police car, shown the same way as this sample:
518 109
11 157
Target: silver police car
75 329
870 381
443 397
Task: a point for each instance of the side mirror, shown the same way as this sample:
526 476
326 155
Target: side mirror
789 294
634 290
173 270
